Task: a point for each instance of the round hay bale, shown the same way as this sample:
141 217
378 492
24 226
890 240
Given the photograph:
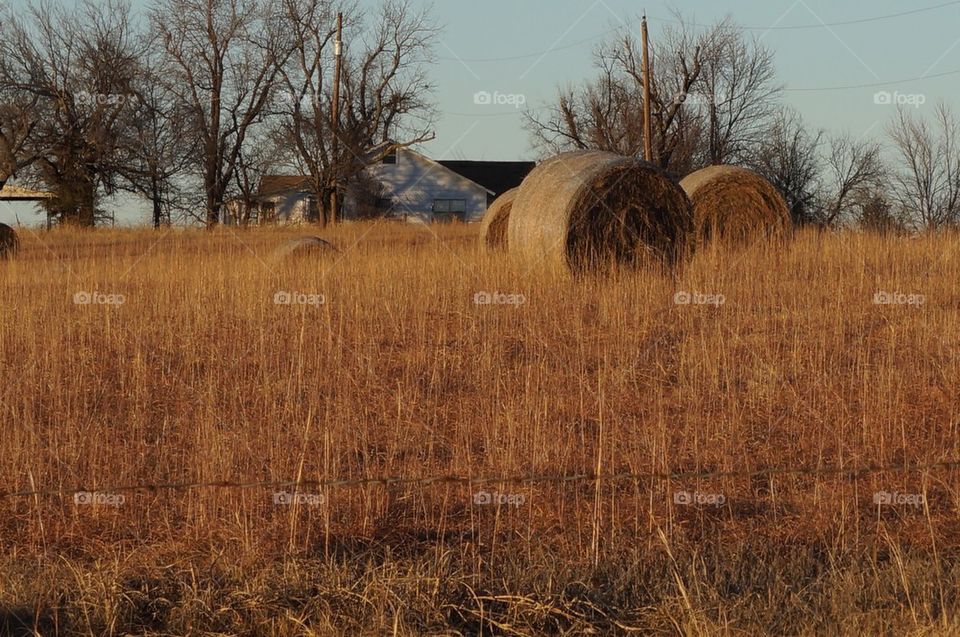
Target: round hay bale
589 210
301 246
493 228
9 242
735 205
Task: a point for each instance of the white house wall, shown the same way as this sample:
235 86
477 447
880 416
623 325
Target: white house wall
421 181
292 207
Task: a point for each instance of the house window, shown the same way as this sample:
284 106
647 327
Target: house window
450 206
268 212
391 157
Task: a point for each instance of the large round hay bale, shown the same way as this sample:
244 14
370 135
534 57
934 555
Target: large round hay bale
493 228
588 210
9 242
301 246
735 205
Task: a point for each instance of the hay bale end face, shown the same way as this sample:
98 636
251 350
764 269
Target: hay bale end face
493 228
589 210
303 246
9 242
735 205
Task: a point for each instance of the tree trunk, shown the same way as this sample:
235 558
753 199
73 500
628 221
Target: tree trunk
213 207
157 207
322 206
86 203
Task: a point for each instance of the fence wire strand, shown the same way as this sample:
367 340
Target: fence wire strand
844 472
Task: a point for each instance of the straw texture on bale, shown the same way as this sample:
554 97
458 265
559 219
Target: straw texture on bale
589 210
303 246
8 241
493 228
735 205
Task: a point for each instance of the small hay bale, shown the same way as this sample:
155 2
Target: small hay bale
493 228
302 246
9 242
735 205
589 210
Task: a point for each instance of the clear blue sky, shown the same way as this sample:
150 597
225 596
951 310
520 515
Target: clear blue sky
551 42
908 46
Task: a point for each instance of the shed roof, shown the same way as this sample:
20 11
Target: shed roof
496 176
271 185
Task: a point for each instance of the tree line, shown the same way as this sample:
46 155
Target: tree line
715 99
191 103
188 105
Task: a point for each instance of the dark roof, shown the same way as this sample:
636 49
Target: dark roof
498 176
276 184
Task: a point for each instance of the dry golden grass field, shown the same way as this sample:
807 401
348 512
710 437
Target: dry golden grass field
800 389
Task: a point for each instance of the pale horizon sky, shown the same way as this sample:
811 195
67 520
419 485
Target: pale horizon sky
531 48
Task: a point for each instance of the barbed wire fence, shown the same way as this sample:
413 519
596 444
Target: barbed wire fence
848 473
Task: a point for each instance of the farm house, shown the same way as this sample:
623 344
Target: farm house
403 184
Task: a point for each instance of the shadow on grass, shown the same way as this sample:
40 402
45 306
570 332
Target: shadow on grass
29 622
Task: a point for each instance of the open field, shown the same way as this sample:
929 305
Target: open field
393 370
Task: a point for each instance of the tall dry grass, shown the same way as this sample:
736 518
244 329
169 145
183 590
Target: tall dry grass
200 376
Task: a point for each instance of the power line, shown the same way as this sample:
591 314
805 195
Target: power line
863 20
626 23
874 84
536 53
821 25
509 113
798 89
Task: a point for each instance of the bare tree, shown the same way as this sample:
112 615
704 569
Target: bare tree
156 152
789 159
76 67
600 115
256 159
677 64
223 59
854 171
738 82
20 116
712 95
385 90
927 184
875 212
607 113
371 198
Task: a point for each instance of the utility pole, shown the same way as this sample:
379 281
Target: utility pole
647 145
714 141
335 119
